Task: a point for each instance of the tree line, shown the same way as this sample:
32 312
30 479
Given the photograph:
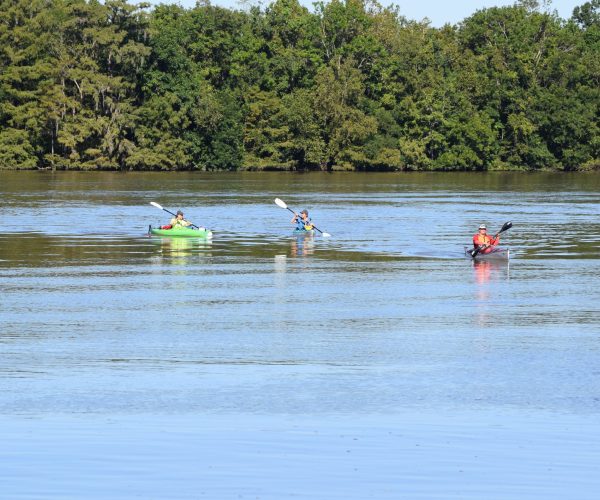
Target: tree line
350 85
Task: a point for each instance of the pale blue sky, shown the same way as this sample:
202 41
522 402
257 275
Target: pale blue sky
438 11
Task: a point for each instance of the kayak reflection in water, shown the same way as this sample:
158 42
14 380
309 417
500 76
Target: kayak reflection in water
301 247
484 241
483 271
178 221
302 221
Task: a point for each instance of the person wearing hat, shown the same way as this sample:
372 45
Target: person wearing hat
484 241
302 221
178 221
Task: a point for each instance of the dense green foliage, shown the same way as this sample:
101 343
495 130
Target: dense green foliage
111 85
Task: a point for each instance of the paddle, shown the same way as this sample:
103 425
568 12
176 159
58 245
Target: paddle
154 204
282 204
475 251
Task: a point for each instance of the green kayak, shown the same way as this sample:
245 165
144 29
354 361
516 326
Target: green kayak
182 232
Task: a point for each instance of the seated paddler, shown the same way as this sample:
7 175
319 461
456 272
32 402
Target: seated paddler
302 221
484 241
178 221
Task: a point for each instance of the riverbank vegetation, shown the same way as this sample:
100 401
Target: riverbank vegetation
351 85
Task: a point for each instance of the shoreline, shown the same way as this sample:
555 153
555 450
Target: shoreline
301 172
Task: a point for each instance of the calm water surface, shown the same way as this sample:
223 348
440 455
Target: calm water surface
376 363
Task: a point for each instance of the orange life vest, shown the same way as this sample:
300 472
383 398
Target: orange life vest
484 239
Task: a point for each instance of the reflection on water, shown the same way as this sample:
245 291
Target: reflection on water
180 250
280 263
489 270
488 275
482 271
302 246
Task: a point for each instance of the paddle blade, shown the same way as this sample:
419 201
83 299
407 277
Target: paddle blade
475 251
154 204
280 203
507 225
325 235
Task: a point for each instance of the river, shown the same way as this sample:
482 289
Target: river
378 362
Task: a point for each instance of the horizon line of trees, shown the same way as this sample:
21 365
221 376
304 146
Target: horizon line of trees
353 85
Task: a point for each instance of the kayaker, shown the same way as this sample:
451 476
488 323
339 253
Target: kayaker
178 221
302 221
485 241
